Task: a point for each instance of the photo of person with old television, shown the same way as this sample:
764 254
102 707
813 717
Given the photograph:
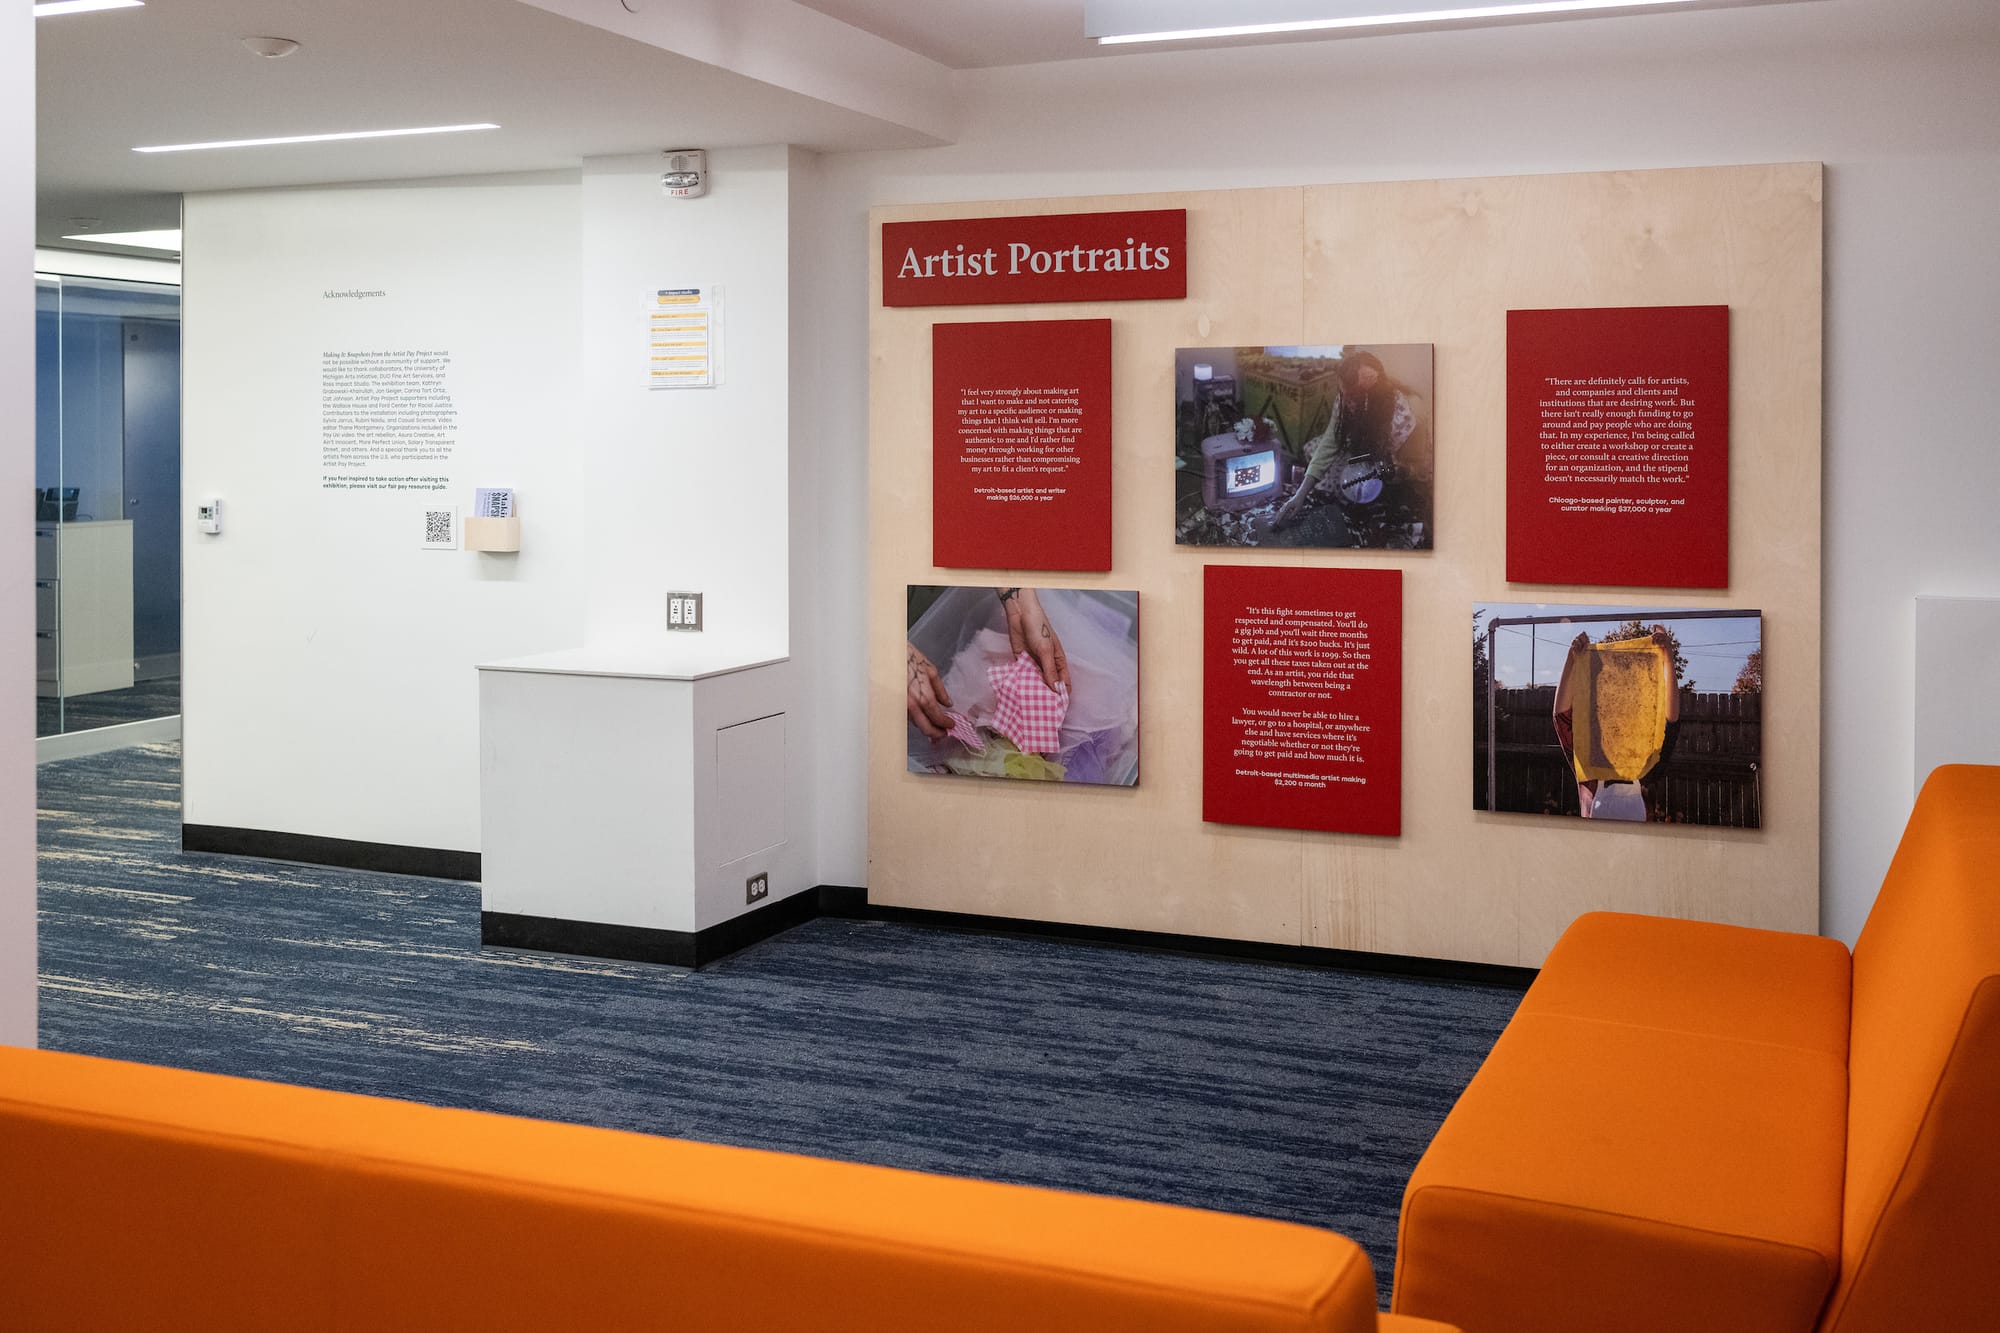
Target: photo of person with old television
1305 446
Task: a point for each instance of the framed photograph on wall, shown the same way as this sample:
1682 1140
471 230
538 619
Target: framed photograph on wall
1323 446
1642 714
1039 684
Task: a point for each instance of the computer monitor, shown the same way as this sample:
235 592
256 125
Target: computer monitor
55 504
1239 474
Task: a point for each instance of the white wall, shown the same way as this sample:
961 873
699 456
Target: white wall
689 489
329 685
808 427
1911 136
1957 718
17 559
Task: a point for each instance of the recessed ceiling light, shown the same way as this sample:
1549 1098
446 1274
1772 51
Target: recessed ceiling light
48 8
313 138
169 239
1112 22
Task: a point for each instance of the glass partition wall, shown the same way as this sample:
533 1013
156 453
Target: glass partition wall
107 502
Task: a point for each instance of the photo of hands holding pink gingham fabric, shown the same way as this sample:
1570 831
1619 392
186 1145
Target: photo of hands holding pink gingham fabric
1039 684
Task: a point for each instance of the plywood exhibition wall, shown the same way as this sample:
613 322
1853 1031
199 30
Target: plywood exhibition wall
1438 262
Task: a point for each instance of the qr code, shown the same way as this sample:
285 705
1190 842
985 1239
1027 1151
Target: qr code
437 527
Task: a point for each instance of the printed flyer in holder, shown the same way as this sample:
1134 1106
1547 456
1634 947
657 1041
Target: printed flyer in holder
684 338
1302 698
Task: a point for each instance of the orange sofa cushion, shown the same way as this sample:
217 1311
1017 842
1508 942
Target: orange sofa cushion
1605 1175
141 1198
1700 978
1921 1238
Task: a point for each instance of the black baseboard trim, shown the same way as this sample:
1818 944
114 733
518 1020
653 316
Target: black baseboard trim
591 939
740 932
646 944
853 904
682 948
387 858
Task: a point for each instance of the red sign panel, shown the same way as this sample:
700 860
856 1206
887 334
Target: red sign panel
1618 446
1021 445
1302 698
1062 257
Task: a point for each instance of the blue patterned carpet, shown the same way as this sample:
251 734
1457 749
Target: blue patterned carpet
1283 1092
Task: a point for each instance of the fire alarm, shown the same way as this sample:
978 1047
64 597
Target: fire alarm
686 176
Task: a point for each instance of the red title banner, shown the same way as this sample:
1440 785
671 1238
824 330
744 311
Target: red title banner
1138 256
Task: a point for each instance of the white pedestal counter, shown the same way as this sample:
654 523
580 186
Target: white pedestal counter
627 793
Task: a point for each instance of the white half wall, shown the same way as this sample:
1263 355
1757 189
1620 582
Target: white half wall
1911 137
17 555
329 685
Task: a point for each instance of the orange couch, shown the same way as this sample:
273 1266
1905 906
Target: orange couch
1693 1128
137 1198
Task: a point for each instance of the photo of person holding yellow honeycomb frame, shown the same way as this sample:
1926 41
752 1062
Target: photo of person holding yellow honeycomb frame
1631 714
1617 714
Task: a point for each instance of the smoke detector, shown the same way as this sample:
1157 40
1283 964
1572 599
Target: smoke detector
271 48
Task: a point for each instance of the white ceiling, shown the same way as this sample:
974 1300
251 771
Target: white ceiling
981 34
568 79
973 34
175 72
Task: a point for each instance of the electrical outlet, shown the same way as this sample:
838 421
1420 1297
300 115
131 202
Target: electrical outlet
684 610
755 887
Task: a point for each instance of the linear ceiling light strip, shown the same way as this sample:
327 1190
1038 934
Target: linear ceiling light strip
314 138
1113 23
50 8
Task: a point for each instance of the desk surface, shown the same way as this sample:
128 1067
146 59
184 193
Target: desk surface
661 657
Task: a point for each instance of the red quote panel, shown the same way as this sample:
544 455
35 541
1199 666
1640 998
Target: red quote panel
1138 256
1618 446
1302 698
1021 445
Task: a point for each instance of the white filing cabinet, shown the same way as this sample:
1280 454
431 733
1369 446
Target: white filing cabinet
83 607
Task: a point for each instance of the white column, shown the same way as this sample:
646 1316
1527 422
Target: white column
17 554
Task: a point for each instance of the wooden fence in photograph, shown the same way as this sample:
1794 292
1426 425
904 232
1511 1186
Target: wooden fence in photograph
1714 776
